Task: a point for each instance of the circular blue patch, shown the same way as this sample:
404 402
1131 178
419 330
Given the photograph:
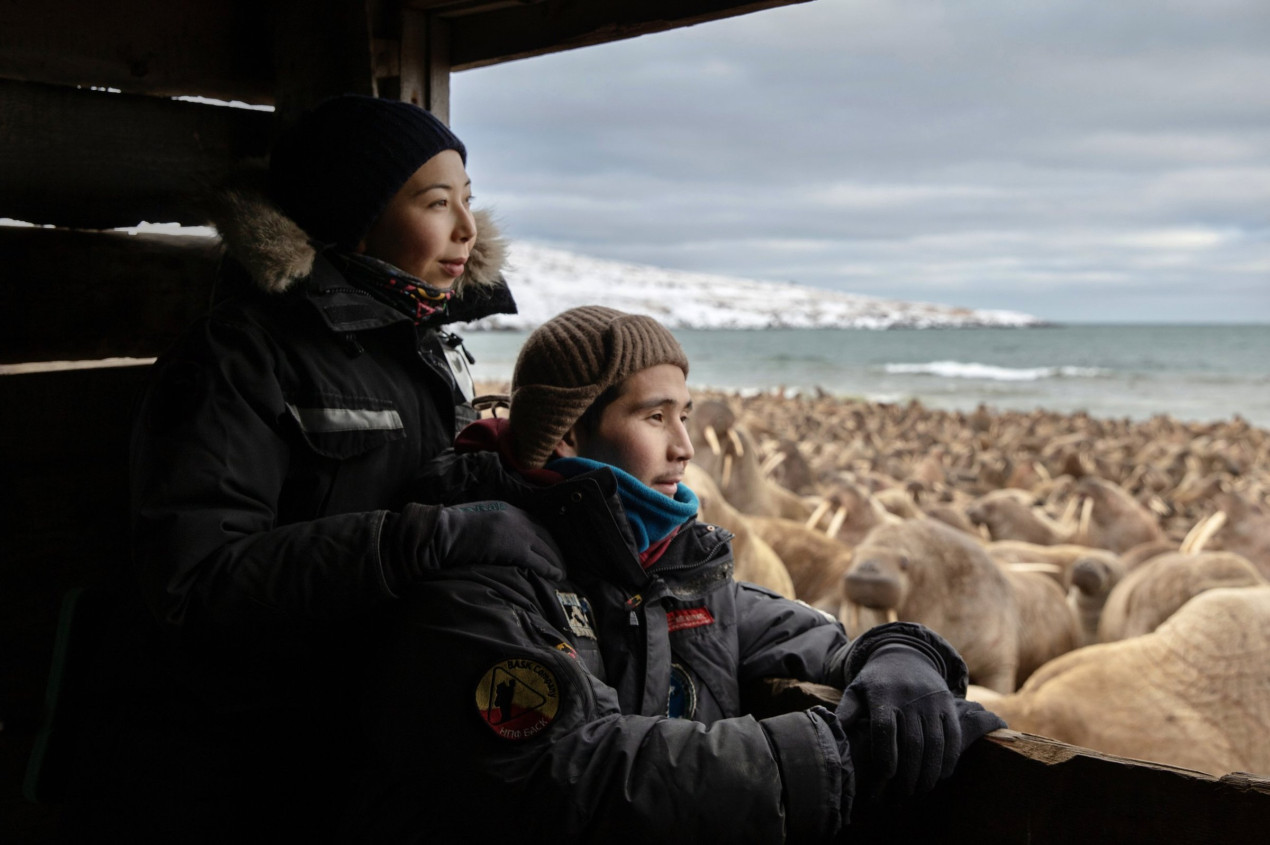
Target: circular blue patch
683 694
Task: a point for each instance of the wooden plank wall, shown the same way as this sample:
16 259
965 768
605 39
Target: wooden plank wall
74 161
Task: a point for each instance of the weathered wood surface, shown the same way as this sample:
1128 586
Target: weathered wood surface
213 48
321 48
73 295
1016 789
95 160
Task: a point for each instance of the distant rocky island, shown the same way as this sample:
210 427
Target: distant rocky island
547 281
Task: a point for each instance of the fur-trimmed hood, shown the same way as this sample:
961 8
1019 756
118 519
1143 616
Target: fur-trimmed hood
277 253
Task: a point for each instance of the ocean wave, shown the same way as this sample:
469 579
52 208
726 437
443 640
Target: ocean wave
989 372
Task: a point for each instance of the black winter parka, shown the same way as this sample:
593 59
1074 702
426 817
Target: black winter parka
270 459
276 442
602 702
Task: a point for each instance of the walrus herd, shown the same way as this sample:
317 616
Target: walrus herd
1065 555
1033 542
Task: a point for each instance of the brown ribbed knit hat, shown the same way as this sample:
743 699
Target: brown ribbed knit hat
569 361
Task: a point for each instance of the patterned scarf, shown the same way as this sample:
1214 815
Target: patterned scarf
653 515
412 297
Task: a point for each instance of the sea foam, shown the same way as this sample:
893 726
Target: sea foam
989 372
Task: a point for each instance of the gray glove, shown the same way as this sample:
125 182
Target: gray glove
426 538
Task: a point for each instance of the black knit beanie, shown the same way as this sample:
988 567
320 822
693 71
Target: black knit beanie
335 170
568 361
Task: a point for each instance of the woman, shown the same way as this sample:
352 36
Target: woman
270 460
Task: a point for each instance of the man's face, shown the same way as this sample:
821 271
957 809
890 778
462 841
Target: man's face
643 431
427 229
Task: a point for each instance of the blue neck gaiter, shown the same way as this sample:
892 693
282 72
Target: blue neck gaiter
652 515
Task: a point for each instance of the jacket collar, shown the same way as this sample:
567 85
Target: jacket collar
278 257
345 307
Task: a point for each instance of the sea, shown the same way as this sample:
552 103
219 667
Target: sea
1195 373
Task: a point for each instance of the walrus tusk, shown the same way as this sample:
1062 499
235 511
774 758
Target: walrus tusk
736 442
1069 514
1042 471
1047 568
1159 506
1086 513
727 471
821 510
839 517
773 461
892 615
712 439
1203 531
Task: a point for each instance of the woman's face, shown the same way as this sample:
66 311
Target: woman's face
427 228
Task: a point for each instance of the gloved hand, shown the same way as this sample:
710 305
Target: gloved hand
976 721
424 538
901 722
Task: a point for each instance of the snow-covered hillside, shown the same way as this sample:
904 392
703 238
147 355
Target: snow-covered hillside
547 281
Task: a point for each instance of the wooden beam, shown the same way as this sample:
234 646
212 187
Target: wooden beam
532 29
425 62
323 48
298 50
1017 789
95 160
70 295
212 48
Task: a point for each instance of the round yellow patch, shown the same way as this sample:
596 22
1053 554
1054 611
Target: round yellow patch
518 698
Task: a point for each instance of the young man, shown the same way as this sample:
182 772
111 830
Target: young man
602 702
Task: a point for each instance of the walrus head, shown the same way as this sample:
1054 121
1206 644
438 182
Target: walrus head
877 580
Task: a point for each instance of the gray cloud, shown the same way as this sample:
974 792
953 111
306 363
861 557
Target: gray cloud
1077 160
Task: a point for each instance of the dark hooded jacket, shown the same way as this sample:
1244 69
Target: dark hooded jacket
601 702
270 459
274 448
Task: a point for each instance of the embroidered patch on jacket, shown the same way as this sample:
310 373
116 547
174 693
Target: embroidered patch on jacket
577 611
688 617
567 649
682 703
518 698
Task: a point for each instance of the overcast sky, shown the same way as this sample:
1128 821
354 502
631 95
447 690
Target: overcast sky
1076 160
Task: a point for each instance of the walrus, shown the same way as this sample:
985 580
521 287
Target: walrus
1115 520
931 573
728 454
1151 593
1191 693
